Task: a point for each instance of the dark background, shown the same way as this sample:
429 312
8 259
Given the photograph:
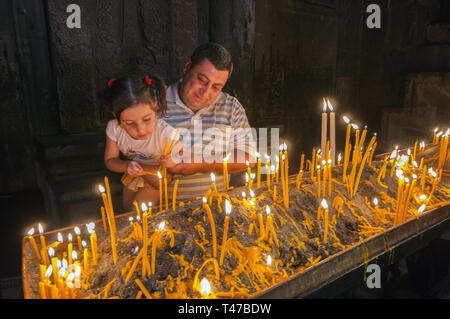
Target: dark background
288 55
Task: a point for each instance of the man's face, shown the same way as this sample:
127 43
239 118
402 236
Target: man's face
201 84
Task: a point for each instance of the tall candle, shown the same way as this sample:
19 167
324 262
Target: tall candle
144 240
102 210
318 181
174 195
313 163
258 170
51 254
155 242
212 225
33 243
166 198
85 257
347 148
225 230
111 209
324 125
69 248
41 237
160 192
93 239
77 232
325 207
225 172
332 133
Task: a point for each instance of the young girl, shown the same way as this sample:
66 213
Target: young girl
137 134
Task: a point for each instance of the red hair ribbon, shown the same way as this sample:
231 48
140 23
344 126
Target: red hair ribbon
148 80
110 82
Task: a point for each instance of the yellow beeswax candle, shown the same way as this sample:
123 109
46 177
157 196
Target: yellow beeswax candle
329 177
110 206
225 172
261 227
155 242
145 266
268 171
325 217
434 135
160 192
51 254
324 126
213 181
347 147
325 177
258 170
102 210
212 225
85 257
225 231
174 195
318 182
136 206
166 198
313 163
42 238
69 248
93 238
42 290
77 232
33 243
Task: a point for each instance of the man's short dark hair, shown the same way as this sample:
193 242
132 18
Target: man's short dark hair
216 54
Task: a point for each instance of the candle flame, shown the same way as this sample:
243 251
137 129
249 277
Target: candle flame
432 173
406 180
58 264
77 271
227 207
324 204
31 232
131 219
324 105
51 252
435 130
74 255
415 164
161 226
346 119
226 157
408 151
144 207
375 201
399 174
356 127
421 209
49 271
252 175
41 230
324 163
83 243
205 287
272 168
213 177
339 157
330 106
77 230
251 193
267 157
69 237
247 163
62 272
414 176
65 263
101 188
204 199
268 210
70 277
284 146
244 195
269 261
422 197
159 175
257 154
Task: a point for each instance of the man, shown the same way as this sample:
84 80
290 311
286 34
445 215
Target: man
196 104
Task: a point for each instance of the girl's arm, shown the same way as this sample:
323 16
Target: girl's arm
112 160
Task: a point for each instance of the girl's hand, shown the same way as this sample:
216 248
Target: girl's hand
166 161
175 157
134 169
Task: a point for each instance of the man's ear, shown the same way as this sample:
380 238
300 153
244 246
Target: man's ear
188 64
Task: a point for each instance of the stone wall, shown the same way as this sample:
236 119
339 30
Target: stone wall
288 55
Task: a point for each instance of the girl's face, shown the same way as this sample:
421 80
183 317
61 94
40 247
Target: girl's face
139 121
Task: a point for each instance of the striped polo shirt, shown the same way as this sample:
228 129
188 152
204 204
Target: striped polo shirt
211 132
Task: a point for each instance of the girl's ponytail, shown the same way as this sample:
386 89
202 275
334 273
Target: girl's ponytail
158 91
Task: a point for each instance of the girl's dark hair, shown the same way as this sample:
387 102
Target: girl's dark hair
128 91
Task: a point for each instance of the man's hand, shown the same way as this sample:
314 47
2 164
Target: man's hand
134 169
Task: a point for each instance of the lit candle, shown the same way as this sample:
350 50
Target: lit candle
155 242
93 238
332 133
160 192
225 172
434 135
283 182
329 177
77 232
166 198
69 248
339 159
277 168
110 206
318 181
174 195
268 171
212 225
400 177
261 227
33 243
145 266
107 208
325 207
213 180
313 163
85 257
51 254
324 125
42 238
205 288
269 227
258 170
225 230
